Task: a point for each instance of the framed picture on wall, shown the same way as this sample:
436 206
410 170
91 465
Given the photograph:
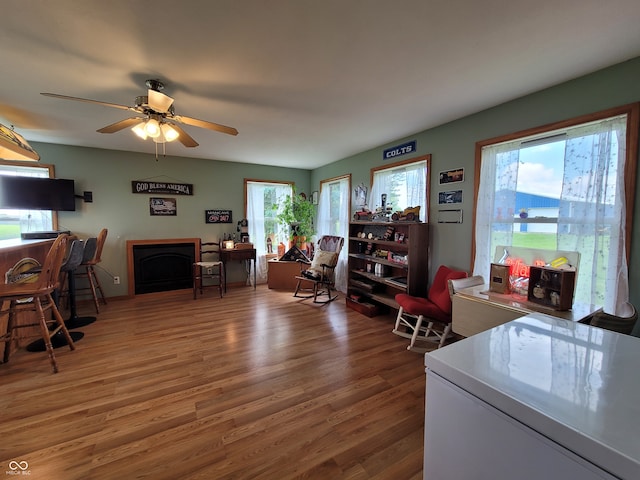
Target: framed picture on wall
360 193
450 197
451 176
163 207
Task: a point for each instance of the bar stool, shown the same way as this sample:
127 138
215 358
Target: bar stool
89 272
79 250
74 257
37 297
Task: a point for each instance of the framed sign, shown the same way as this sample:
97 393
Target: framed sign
397 150
163 207
217 216
453 196
452 176
141 186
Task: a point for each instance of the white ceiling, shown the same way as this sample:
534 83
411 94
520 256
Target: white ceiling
305 82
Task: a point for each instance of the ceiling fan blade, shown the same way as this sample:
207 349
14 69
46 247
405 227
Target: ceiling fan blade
121 125
204 124
184 138
158 101
78 99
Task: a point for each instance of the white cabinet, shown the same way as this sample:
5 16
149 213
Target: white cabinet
538 397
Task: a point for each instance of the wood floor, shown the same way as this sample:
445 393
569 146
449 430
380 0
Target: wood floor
257 385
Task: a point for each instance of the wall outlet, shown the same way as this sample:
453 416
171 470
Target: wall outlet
116 280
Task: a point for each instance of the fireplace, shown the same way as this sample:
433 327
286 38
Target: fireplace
161 265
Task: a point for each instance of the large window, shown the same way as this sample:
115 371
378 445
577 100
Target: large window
404 185
334 211
14 222
262 199
564 187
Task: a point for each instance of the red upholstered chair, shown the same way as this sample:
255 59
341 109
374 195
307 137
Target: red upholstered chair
419 316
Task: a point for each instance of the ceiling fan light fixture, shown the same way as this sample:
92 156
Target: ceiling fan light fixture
140 131
152 128
168 132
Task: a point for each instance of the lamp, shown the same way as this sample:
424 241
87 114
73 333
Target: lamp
152 128
140 131
168 132
160 132
13 146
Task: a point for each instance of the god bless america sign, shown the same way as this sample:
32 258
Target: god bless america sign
142 186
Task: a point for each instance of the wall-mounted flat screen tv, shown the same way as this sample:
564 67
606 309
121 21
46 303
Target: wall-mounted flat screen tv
35 193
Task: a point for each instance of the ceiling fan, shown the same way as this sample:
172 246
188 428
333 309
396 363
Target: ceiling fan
156 117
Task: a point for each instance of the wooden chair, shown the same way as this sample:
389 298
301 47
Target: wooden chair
423 319
317 277
621 324
87 270
210 269
36 296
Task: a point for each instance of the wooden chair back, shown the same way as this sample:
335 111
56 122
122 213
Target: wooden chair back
102 237
49 278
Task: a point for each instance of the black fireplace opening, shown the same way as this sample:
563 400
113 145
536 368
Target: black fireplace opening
163 267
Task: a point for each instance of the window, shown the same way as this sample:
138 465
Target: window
14 222
261 206
403 183
563 187
334 210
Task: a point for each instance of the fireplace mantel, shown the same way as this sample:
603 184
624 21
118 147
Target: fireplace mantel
132 244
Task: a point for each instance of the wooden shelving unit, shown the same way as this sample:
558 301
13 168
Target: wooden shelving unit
386 258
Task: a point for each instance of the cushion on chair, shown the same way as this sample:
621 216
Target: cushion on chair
320 258
209 264
422 306
439 291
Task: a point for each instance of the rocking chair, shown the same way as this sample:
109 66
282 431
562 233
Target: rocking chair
317 277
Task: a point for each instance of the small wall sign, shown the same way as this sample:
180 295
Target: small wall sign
451 176
163 207
452 196
398 150
217 216
141 186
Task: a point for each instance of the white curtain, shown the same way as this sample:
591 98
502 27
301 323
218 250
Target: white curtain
333 219
592 213
496 202
405 186
256 215
591 218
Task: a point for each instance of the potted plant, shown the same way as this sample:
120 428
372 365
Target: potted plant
296 213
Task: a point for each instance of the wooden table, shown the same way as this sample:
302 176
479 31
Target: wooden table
475 309
238 254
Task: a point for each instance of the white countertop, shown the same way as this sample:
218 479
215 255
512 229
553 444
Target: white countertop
575 384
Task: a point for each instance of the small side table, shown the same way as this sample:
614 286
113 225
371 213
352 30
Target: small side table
281 274
239 254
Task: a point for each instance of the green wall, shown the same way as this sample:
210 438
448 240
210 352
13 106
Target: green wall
219 184
453 145
108 174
